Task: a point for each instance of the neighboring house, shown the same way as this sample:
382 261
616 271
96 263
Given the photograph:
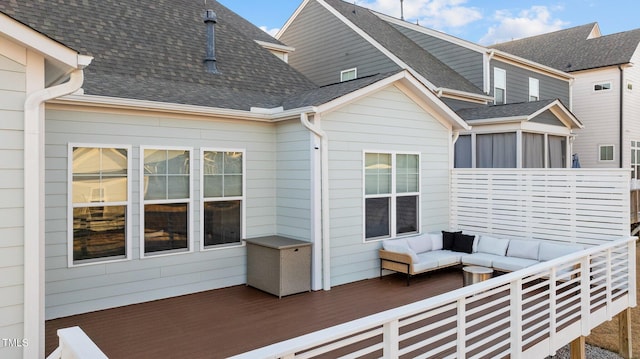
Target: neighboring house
605 89
336 41
143 182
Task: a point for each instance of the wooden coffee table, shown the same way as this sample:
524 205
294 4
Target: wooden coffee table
475 274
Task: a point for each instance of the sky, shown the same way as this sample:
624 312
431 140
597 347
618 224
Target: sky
481 21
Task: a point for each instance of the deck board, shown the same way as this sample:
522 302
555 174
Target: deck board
224 322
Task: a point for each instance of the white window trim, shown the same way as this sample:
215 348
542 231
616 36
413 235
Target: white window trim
593 86
534 84
354 70
495 85
613 157
190 248
392 196
242 199
128 204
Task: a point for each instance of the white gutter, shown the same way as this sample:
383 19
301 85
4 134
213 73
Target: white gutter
34 207
255 114
324 197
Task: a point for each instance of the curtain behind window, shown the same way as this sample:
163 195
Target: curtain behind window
462 155
557 152
496 150
533 150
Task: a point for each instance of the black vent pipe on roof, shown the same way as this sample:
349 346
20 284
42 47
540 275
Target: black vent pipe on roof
210 19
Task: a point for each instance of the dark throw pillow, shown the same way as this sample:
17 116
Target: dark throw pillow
463 243
448 238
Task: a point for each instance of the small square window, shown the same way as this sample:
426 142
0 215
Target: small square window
629 85
349 74
606 153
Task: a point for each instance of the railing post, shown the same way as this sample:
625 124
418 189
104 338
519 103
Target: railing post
609 285
553 313
632 273
516 318
390 339
585 295
462 333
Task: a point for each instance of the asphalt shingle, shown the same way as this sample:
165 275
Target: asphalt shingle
571 50
520 109
154 50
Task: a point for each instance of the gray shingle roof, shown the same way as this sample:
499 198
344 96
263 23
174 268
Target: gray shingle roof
328 93
521 109
571 50
401 46
154 50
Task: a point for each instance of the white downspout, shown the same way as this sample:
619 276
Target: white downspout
487 71
324 194
34 256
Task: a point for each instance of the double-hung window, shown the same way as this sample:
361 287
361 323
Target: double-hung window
391 194
499 86
100 192
223 197
166 200
635 159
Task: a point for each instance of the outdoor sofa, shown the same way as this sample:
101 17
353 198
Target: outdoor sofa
431 251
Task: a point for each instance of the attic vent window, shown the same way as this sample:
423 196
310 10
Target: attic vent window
349 74
603 86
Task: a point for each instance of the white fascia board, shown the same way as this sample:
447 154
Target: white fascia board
417 88
544 128
534 66
40 43
275 47
257 114
457 94
499 120
434 33
291 19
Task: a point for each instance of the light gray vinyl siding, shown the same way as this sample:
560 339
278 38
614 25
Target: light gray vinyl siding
464 61
631 110
97 286
293 180
325 46
518 84
385 121
599 111
548 118
12 95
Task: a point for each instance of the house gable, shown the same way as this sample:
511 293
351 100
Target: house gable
363 126
465 58
325 46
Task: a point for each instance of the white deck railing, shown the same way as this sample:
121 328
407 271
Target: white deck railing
529 313
75 344
525 314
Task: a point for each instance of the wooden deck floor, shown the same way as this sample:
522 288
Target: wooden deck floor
229 321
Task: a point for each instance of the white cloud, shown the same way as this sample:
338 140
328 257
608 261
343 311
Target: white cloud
271 32
436 14
533 21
